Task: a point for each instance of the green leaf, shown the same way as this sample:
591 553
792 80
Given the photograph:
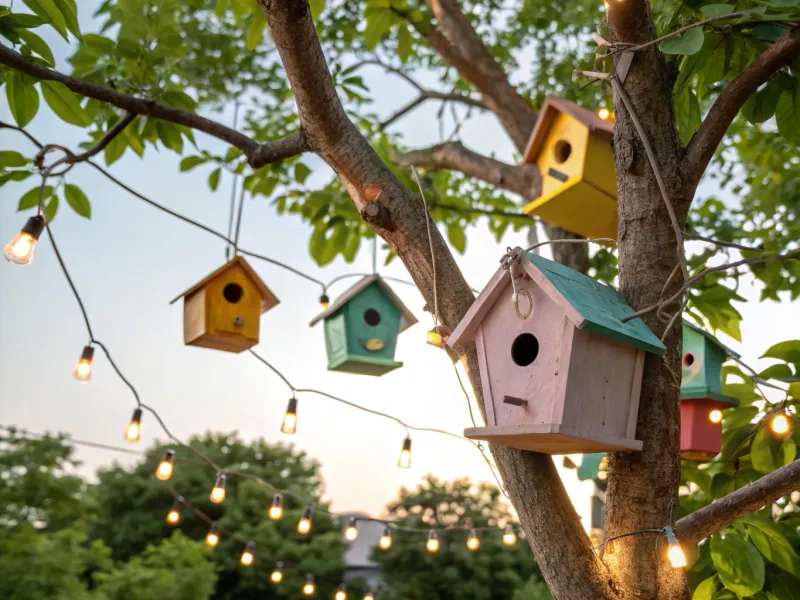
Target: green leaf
706 589
78 200
739 565
23 99
772 543
780 371
50 208
761 106
69 9
404 42
115 149
23 20
213 179
65 104
31 197
9 158
687 113
784 587
301 173
255 33
190 162
787 113
688 43
220 8
788 351
49 11
378 25
317 6
37 45
169 135
179 99
455 234
716 10
265 187
769 452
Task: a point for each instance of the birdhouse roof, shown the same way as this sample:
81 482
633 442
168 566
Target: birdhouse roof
407 318
711 339
550 109
268 299
589 304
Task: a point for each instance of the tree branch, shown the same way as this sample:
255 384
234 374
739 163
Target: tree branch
141 106
704 143
721 513
430 95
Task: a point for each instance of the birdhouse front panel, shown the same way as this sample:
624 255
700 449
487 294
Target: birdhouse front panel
701 364
701 432
563 155
373 324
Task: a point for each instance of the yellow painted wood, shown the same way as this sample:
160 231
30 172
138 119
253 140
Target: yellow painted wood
598 166
221 315
566 134
578 207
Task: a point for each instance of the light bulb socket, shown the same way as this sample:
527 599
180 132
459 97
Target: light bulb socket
433 535
278 566
34 226
220 481
307 514
249 548
342 587
137 415
214 529
169 456
387 532
292 407
87 354
178 503
352 522
407 444
324 300
277 500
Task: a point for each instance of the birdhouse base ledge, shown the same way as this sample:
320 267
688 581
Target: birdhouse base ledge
364 365
550 438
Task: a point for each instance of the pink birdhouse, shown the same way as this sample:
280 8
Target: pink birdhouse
561 372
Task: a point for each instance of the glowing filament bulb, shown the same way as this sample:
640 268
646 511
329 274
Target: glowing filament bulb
341 592
604 114
134 431
247 556
212 537
174 514
277 573
218 491
304 524
473 543
289 424
276 510
19 251
404 460
309 587
432 544
676 557
779 423
370 595
324 301
351 532
386 539
83 370
509 537
715 416
164 470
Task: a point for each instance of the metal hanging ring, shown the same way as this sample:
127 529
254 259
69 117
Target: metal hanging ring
527 313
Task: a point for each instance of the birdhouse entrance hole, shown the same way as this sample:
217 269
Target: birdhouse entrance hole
372 317
524 349
688 359
233 292
562 150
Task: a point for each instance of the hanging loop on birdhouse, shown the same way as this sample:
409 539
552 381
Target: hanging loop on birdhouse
522 292
511 258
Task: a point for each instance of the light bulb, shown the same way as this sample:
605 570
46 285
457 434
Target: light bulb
174 514
212 537
351 532
309 587
676 557
386 539
433 542
404 460
604 114
509 537
370 595
341 592
19 251
289 424
164 470
434 338
779 423
304 524
324 301
218 491
715 416
473 543
134 431
247 556
276 510
83 370
277 573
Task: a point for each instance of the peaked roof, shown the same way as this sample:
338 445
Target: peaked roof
711 339
268 299
407 318
550 109
590 305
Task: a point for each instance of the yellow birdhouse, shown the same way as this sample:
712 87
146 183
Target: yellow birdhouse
572 147
224 309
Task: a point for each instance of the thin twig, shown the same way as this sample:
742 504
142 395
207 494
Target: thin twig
36 142
700 238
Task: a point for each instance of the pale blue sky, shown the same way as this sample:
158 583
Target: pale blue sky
130 260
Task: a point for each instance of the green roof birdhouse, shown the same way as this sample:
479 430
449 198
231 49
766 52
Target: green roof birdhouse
362 326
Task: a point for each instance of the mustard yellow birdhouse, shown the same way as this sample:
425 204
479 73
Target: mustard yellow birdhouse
572 147
223 310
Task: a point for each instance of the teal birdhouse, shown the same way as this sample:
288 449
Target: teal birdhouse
362 326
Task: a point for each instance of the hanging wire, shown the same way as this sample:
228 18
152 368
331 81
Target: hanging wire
233 192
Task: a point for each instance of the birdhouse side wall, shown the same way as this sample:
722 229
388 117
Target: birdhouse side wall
336 338
563 153
700 438
222 313
360 312
715 356
598 165
603 384
693 361
194 316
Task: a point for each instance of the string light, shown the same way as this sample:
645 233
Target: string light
473 542
289 424
779 423
276 510
404 460
217 495
324 301
432 545
437 336
386 539
309 587
304 524
247 556
134 431
212 537
83 370
676 556
19 251
174 514
604 114
164 470
509 537
351 532
370 595
277 573
715 416
341 592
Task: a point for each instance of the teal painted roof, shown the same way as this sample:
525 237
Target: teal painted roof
711 339
601 306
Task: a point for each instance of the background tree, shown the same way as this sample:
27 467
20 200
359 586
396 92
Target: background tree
726 68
